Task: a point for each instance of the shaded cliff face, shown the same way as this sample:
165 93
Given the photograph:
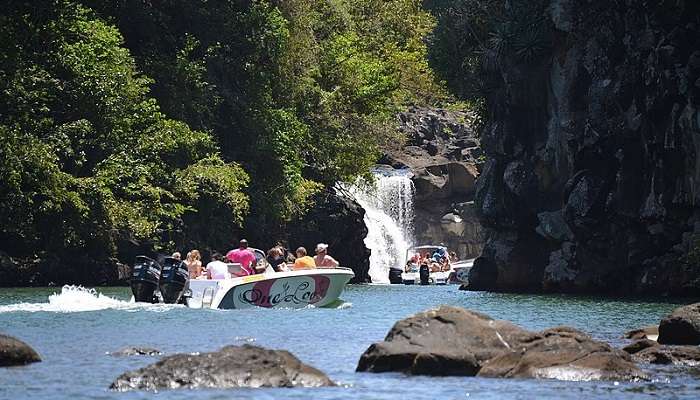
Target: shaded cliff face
593 179
337 220
445 157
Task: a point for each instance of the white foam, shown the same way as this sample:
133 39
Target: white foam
389 216
78 299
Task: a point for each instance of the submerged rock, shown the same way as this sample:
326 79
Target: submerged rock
230 367
15 352
455 341
682 326
136 351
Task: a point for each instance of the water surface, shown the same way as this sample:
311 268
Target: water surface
75 329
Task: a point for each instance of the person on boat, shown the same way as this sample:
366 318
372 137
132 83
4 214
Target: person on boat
453 257
440 253
275 257
194 264
446 264
322 259
244 257
217 269
176 255
303 261
434 265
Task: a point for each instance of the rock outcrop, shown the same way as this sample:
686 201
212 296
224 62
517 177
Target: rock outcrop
49 270
455 341
445 157
592 178
15 352
136 351
230 367
682 326
337 220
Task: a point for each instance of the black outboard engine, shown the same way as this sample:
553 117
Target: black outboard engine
144 279
424 273
395 276
173 279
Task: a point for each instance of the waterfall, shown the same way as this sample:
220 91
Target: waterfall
388 206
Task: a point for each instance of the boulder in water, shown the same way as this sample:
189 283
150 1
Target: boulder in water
15 352
648 332
639 345
663 354
682 326
230 367
455 341
136 351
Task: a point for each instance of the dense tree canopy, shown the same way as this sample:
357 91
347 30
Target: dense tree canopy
87 158
187 121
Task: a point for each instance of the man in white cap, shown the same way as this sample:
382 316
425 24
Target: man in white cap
322 259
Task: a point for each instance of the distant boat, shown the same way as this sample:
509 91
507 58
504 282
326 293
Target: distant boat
416 274
293 289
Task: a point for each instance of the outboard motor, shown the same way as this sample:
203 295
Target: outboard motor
424 273
144 279
173 279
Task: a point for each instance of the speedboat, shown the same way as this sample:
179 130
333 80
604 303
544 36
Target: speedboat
292 289
459 274
416 274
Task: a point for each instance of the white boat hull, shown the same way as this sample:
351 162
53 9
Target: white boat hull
294 289
435 278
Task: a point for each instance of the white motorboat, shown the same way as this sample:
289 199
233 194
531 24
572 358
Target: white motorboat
460 272
413 274
292 289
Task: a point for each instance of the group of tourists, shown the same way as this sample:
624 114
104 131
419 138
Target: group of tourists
438 261
278 258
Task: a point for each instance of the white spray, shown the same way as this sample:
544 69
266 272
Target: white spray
388 206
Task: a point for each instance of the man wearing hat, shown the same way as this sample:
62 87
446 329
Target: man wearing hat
243 256
322 259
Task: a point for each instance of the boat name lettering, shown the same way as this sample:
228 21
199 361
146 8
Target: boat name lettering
297 295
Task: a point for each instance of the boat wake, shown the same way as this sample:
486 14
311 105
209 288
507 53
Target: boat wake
78 299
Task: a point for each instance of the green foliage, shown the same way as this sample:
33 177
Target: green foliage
88 161
474 38
244 113
301 93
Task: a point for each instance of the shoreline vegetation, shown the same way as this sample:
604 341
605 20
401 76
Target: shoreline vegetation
137 127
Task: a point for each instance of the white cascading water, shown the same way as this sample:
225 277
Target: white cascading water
388 206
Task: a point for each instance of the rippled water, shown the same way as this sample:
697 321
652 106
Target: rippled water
74 330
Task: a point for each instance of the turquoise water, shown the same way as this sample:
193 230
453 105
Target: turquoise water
75 329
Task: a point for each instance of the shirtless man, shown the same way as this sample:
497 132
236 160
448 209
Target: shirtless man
322 259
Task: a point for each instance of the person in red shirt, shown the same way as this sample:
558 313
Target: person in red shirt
244 257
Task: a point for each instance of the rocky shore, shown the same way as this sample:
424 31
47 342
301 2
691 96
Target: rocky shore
593 163
443 152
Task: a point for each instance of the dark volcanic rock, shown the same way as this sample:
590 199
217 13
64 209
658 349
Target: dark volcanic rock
15 352
639 345
444 156
230 367
682 326
136 351
592 146
566 354
455 341
662 354
339 221
648 332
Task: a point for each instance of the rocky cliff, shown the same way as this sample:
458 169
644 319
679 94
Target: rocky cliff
443 152
592 178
